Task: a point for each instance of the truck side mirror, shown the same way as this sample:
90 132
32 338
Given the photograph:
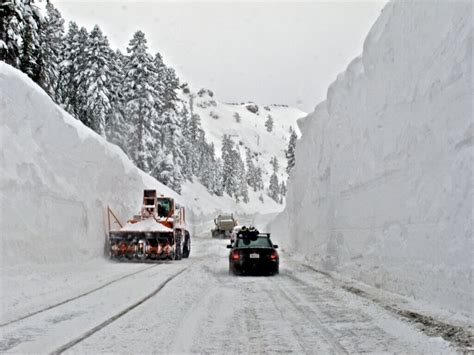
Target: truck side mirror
275 246
229 246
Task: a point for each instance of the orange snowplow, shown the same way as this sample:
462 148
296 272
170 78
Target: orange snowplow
158 232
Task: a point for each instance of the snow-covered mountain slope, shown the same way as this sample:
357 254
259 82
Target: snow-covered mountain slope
382 187
248 130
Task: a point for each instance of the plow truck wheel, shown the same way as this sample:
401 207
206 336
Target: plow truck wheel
187 245
178 251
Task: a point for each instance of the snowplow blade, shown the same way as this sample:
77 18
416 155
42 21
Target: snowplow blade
138 245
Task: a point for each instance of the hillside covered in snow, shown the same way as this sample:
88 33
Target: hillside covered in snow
382 187
248 126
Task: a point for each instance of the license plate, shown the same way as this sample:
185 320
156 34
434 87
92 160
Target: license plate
254 256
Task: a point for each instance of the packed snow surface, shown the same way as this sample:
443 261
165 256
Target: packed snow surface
147 225
203 310
382 188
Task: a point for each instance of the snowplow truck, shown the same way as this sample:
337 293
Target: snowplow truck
224 224
158 232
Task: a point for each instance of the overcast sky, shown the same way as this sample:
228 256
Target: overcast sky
267 52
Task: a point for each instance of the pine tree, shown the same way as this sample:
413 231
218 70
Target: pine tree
117 125
167 173
172 140
259 178
187 147
283 188
229 180
66 69
274 164
159 73
95 80
195 132
70 92
139 94
11 25
30 38
269 123
290 152
49 56
254 173
274 187
206 162
239 173
28 60
171 87
217 178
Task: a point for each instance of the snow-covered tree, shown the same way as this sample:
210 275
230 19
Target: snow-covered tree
217 178
66 69
206 162
167 173
274 187
229 179
70 94
290 152
259 178
194 138
96 78
11 26
139 95
187 147
242 190
269 123
117 125
250 169
29 48
159 74
283 188
50 51
171 82
274 164
254 172
172 138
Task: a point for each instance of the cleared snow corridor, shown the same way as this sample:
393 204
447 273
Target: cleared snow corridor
195 306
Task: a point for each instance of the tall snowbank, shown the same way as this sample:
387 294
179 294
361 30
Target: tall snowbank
56 179
382 188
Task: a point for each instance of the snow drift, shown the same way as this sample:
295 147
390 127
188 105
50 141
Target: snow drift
57 178
382 188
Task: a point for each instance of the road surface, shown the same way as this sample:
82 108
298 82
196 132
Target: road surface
195 306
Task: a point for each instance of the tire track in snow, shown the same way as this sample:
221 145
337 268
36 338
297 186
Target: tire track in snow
75 297
104 324
308 313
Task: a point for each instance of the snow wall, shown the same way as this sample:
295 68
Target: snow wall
382 187
56 179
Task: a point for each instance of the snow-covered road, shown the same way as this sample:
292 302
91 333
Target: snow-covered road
195 306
